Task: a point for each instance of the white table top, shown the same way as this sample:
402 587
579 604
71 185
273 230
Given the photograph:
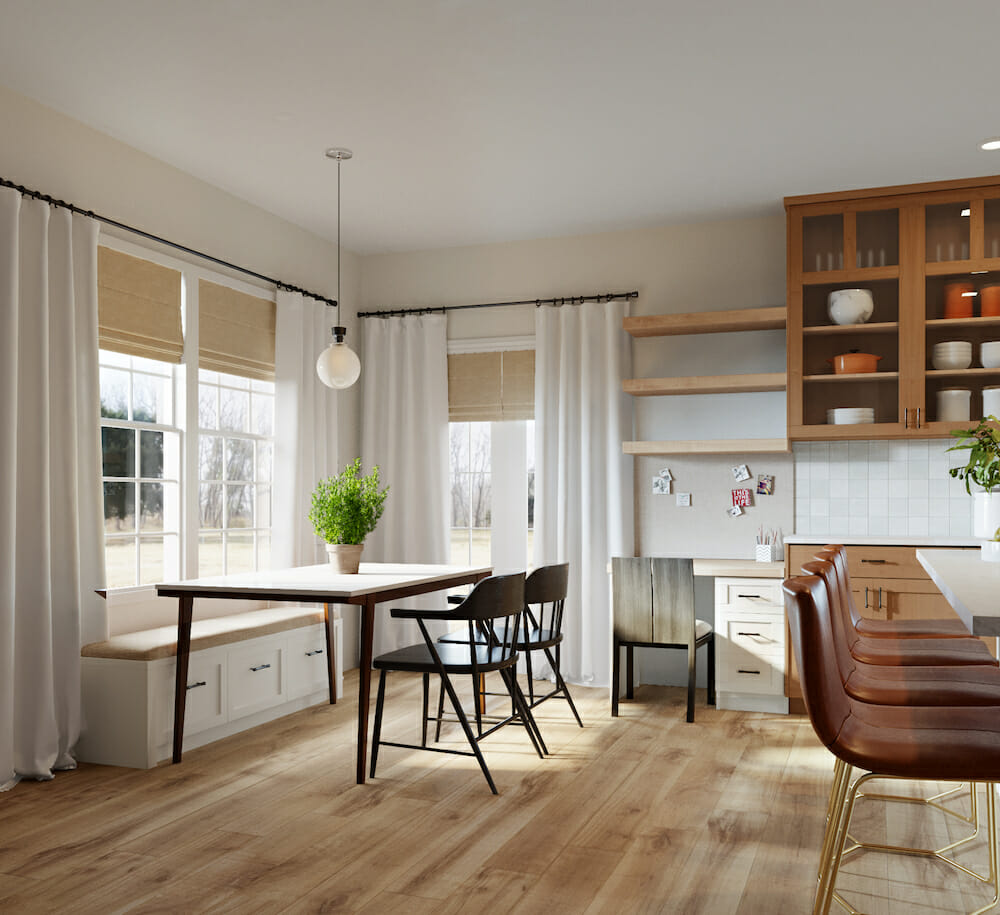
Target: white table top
971 586
320 582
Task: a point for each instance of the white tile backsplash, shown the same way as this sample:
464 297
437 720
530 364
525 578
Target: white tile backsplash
891 488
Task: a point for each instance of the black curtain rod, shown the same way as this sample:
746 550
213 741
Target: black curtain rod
562 300
27 192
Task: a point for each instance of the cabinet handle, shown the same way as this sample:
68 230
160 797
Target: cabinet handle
879 598
749 596
866 597
309 654
750 633
260 667
906 417
918 417
196 685
740 670
876 562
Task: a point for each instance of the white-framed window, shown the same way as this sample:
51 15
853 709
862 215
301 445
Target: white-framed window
141 470
235 464
187 453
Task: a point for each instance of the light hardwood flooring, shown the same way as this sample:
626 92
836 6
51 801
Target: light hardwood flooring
644 813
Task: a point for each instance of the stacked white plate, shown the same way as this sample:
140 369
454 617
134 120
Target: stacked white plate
850 416
952 355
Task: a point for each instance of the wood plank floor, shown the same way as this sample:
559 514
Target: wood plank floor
645 813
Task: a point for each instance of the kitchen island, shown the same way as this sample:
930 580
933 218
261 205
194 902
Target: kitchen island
971 586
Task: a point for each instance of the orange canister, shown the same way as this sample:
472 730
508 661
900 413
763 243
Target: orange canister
989 301
958 300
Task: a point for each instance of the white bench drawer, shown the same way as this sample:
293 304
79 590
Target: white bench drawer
256 679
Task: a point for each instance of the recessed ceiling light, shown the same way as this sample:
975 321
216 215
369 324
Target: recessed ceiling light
991 143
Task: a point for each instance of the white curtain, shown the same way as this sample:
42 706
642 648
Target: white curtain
404 429
51 534
583 482
305 427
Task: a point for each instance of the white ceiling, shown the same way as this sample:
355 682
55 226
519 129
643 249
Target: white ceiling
476 121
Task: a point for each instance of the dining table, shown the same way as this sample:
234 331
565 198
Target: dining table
373 584
969 584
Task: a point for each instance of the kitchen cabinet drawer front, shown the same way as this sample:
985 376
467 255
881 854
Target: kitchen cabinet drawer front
256 679
762 637
749 593
884 562
307 663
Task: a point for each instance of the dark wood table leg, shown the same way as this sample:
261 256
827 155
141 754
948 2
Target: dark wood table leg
364 682
185 606
331 658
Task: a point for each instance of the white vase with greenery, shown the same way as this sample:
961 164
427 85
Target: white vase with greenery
982 469
345 509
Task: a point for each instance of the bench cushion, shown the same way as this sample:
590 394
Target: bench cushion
152 644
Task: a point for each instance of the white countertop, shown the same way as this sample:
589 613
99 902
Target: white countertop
739 568
971 586
887 540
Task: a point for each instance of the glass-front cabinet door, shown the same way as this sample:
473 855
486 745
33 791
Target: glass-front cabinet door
960 362
844 323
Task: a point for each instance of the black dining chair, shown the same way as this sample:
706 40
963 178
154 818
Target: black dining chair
493 614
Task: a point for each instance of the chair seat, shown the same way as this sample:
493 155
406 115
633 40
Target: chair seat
455 656
913 629
921 652
702 629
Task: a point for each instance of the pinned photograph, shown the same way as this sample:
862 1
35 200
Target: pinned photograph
742 497
735 511
741 473
765 484
666 474
661 486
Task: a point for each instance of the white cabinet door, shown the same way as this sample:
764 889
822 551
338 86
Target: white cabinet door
307 662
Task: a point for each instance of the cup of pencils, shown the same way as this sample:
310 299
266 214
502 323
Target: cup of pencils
766 546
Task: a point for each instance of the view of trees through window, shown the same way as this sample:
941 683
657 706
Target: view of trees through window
475 449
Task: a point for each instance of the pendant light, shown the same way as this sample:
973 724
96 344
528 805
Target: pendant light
338 365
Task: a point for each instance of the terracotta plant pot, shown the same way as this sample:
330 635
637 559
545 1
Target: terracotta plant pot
345 557
854 363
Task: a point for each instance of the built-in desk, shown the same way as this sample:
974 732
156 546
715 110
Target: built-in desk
738 568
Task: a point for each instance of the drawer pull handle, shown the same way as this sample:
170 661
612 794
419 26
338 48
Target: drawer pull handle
260 667
749 596
196 685
757 634
315 651
876 562
740 670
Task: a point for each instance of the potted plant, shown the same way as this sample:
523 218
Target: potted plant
345 509
983 469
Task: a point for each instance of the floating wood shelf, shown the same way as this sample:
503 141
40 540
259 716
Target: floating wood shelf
705 384
882 327
863 376
706 322
710 446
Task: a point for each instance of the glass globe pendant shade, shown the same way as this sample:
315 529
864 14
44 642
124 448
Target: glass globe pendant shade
338 365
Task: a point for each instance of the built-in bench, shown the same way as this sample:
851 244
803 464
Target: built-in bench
244 669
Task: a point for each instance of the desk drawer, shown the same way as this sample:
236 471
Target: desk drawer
744 672
748 593
756 636
256 679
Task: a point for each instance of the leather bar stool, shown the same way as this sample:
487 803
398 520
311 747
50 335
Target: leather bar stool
940 744
899 629
887 650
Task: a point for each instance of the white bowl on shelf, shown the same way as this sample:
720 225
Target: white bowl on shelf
951 355
954 405
850 416
850 306
989 354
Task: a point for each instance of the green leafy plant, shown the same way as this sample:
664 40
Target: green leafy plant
346 507
983 466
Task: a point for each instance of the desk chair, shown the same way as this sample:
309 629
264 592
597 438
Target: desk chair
653 607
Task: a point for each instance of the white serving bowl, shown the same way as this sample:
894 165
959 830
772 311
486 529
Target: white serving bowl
989 355
957 355
850 416
850 306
